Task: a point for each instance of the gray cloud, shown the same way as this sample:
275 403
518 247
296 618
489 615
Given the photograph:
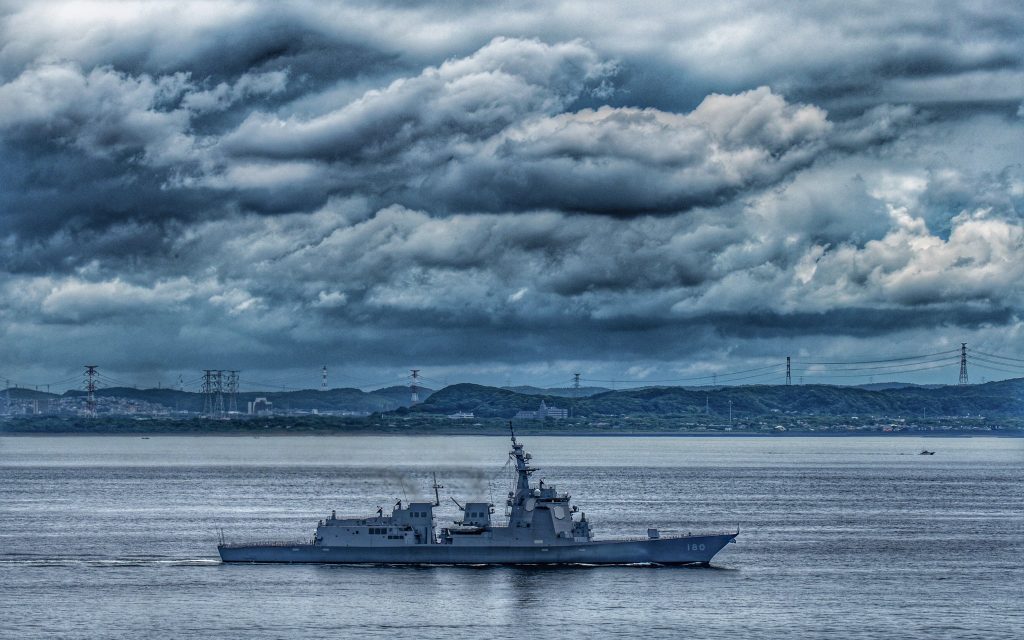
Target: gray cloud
477 188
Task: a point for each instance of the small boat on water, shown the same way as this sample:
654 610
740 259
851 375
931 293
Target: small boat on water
925 452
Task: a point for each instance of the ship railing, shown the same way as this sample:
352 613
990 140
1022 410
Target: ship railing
663 535
264 543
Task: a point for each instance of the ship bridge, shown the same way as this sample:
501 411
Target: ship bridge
413 524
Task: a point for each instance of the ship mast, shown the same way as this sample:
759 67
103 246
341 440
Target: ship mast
437 495
523 470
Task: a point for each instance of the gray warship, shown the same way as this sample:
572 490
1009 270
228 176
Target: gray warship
542 528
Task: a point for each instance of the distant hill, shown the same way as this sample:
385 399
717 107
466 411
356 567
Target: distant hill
882 386
485 401
401 395
995 399
344 399
567 392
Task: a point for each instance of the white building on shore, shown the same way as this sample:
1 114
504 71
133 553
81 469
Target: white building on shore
544 411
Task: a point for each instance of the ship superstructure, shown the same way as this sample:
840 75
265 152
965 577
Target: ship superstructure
543 527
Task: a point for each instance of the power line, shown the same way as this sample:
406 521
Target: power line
992 355
995 362
918 357
778 369
710 376
825 374
988 367
893 366
258 385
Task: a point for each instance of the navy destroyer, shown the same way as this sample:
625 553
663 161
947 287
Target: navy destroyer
542 527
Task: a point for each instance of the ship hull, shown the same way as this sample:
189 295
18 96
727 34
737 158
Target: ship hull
662 551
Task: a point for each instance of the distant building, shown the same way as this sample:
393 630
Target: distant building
260 405
544 411
462 415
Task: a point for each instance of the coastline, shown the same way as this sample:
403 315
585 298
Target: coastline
524 433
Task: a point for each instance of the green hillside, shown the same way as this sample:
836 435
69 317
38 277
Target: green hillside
995 399
386 399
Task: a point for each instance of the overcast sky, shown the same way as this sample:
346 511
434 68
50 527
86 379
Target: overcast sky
509 191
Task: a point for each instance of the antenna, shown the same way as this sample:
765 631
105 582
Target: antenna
512 431
323 378
789 377
437 495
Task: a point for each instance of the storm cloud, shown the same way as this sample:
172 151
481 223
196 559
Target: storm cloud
505 193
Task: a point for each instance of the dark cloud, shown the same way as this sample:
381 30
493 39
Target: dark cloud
475 188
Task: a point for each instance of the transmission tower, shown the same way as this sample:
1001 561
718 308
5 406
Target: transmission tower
90 389
789 376
323 378
207 391
963 363
233 391
415 385
218 392
575 391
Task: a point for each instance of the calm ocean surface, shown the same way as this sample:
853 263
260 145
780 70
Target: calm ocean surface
115 537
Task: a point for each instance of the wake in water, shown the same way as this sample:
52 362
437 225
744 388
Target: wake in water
32 560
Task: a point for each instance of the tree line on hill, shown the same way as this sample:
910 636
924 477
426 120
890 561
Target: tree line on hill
993 399
386 399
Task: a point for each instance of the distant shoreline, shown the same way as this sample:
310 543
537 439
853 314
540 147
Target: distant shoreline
524 433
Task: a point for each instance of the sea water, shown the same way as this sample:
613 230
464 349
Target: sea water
856 537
